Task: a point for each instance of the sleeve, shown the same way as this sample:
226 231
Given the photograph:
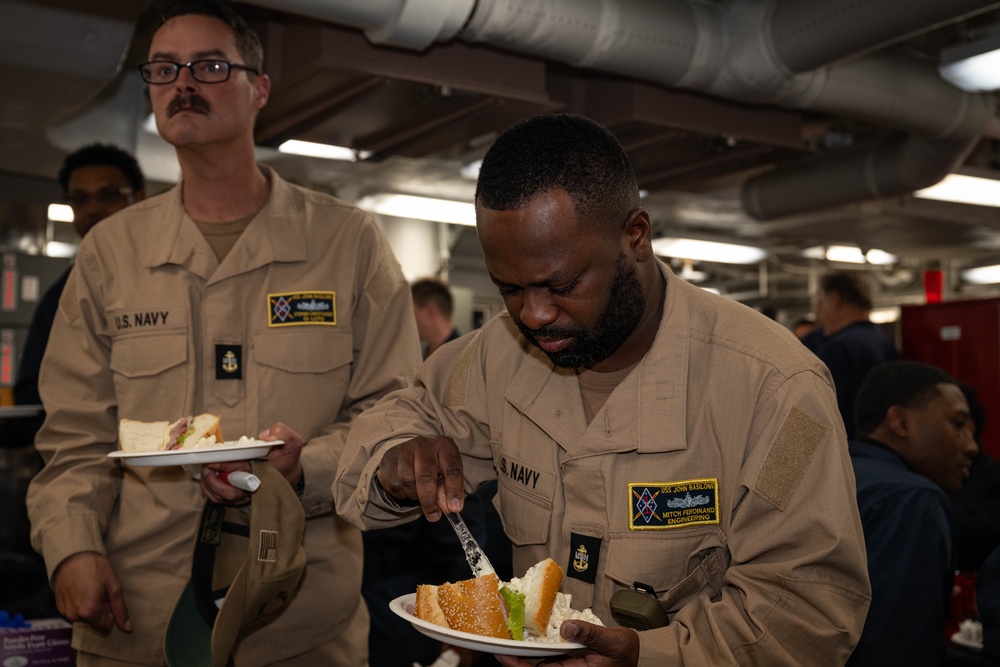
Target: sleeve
70 500
448 399
386 355
793 588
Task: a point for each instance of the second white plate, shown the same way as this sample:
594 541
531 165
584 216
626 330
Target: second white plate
403 607
233 451
967 643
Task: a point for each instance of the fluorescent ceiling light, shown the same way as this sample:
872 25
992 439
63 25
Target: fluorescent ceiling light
849 255
884 315
973 65
60 249
964 190
420 208
875 256
325 151
844 253
983 275
708 251
60 213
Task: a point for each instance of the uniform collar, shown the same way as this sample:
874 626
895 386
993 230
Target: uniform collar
275 234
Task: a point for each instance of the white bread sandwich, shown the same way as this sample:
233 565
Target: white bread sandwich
472 605
532 605
136 436
539 586
186 433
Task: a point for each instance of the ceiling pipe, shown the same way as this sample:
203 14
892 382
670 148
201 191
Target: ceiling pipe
788 53
410 24
730 51
807 34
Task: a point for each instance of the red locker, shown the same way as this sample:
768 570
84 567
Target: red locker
963 338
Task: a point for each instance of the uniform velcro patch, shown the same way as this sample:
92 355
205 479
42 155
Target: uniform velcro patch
788 457
457 389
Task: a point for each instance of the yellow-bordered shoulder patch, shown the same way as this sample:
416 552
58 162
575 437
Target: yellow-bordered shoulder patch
288 309
666 505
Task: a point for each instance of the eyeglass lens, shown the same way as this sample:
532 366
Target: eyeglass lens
205 71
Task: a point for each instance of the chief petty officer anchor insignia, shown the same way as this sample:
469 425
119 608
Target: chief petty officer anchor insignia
227 362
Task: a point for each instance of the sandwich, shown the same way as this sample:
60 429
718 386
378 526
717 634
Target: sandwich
186 433
539 586
136 436
472 605
530 608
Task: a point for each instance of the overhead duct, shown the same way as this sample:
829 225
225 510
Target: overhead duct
411 24
788 53
754 51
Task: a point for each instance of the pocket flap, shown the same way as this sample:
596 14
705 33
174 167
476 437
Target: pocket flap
144 356
525 518
304 351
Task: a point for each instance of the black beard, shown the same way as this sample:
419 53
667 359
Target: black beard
620 317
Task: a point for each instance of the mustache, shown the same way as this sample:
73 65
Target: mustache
193 101
549 332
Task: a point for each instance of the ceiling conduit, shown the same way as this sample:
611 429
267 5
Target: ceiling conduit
788 53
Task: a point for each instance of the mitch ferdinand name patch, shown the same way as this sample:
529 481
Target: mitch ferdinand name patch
665 505
296 308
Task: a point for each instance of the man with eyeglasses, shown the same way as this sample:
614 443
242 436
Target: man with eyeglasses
279 309
97 180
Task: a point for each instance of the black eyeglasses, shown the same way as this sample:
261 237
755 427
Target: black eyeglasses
161 72
107 197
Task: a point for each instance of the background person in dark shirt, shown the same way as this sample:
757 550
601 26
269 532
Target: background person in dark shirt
977 505
914 446
432 307
97 180
846 340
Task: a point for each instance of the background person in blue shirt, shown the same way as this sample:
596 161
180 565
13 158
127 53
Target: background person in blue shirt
846 340
914 446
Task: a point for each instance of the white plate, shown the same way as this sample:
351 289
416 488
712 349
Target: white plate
967 643
254 449
403 607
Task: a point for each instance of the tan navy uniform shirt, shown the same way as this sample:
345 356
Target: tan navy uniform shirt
717 472
307 320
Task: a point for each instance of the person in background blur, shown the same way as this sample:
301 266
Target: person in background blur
988 594
432 307
97 180
803 326
914 447
845 339
977 505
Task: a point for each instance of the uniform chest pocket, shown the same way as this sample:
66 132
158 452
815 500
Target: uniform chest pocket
304 351
525 518
689 563
151 370
313 366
